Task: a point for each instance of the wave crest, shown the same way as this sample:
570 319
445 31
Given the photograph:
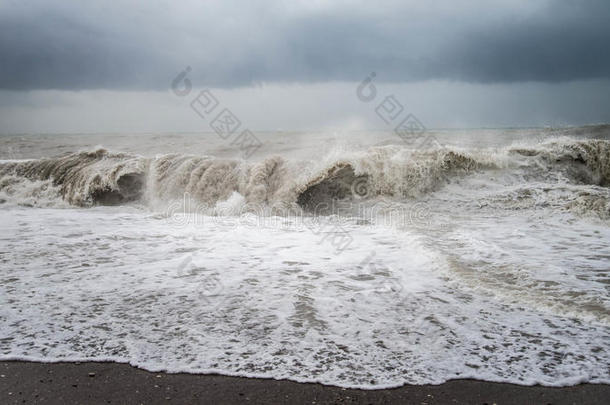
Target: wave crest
101 177
86 178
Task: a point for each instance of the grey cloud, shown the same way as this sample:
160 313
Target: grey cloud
69 45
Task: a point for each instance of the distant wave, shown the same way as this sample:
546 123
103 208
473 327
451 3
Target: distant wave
101 177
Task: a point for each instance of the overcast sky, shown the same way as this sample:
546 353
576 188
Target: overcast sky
107 65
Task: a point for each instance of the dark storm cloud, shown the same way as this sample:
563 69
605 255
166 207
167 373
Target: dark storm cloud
142 45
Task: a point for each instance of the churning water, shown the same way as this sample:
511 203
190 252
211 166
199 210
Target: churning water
346 259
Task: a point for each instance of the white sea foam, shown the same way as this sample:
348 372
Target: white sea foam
105 283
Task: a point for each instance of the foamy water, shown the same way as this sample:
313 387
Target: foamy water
371 265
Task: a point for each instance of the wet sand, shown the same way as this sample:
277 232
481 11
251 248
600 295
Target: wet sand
111 383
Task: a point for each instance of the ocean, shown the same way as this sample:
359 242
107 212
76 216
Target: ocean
356 259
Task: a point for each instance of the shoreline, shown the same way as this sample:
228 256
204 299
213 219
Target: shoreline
116 383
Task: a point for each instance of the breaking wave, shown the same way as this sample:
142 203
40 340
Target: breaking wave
85 178
101 177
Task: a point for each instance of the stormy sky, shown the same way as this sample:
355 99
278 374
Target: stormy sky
296 64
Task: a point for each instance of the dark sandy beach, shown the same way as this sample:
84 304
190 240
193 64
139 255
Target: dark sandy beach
110 383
